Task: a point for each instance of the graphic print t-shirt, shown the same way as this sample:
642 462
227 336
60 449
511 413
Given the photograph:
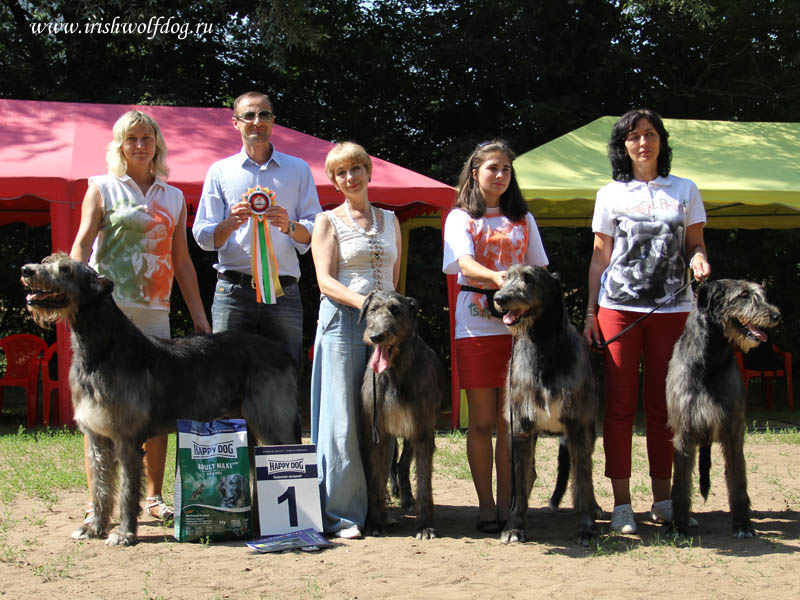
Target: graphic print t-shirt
134 244
496 243
648 222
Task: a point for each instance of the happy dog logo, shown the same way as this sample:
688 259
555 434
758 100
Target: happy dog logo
224 449
297 465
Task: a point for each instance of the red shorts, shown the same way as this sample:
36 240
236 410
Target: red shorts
483 361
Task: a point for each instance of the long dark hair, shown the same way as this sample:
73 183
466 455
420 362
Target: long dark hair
469 197
621 166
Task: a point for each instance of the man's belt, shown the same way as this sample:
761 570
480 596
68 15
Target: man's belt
246 280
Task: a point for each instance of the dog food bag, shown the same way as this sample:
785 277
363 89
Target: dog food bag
212 481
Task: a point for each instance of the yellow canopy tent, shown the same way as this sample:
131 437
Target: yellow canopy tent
748 173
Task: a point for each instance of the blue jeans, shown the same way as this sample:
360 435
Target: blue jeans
340 357
235 309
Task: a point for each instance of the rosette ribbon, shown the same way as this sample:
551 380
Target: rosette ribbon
263 262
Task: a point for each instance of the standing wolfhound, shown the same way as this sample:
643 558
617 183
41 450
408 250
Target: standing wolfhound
705 393
550 388
400 397
128 387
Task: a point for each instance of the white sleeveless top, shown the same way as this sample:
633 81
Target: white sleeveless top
366 263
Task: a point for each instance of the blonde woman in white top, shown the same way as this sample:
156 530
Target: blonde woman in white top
356 248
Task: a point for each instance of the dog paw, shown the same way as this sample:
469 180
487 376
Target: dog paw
588 537
374 529
513 535
744 531
426 533
85 532
118 538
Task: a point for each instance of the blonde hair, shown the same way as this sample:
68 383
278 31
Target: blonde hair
346 152
115 159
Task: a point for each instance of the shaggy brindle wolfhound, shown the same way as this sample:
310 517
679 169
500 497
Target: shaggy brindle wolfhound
705 393
550 389
128 387
400 396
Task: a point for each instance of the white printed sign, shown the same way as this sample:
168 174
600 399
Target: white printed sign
288 489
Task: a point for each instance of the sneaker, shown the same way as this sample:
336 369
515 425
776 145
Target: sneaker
661 512
349 533
622 519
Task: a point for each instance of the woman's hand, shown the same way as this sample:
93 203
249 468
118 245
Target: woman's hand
590 330
700 267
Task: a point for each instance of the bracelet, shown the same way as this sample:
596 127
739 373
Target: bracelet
696 254
589 312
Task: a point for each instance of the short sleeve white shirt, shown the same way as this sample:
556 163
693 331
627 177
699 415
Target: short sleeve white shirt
648 223
496 243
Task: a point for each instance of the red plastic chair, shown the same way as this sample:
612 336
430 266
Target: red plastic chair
767 362
49 384
23 351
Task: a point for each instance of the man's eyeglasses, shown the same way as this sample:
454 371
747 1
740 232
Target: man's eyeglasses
250 116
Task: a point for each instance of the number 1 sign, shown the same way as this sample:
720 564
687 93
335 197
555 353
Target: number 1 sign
288 490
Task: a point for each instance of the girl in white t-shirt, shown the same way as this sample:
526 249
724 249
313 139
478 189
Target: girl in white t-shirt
489 230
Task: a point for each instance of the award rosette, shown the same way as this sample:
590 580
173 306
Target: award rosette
264 264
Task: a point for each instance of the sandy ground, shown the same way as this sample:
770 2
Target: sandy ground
39 560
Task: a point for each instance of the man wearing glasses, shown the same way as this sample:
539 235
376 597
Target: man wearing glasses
223 224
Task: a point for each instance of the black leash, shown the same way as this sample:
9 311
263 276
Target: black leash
374 408
489 296
602 345
511 432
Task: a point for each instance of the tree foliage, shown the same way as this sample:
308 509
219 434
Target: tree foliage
420 82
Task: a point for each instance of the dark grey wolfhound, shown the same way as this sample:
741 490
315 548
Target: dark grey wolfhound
705 393
400 397
128 387
550 389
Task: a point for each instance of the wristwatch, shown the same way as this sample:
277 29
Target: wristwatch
291 228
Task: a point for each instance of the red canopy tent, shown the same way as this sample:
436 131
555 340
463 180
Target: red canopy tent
48 150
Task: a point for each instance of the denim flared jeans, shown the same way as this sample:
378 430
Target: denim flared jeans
340 357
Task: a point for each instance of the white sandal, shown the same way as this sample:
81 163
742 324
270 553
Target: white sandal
164 513
88 515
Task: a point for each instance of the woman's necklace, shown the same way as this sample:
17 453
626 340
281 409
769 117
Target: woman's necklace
373 229
373 243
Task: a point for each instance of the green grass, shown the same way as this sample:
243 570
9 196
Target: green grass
39 463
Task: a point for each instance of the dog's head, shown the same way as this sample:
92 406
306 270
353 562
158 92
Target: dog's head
231 490
391 319
529 293
740 308
58 285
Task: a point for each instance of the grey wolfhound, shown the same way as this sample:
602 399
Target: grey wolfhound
400 397
128 387
705 393
550 388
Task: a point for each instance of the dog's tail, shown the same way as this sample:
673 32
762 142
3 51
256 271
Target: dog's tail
704 468
563 474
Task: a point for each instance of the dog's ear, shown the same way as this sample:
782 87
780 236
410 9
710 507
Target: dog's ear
704 294
103 286
413 306
365 306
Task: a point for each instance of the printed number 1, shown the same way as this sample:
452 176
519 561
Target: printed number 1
288 496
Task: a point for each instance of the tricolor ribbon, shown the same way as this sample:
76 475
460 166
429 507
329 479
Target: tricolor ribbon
263 262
